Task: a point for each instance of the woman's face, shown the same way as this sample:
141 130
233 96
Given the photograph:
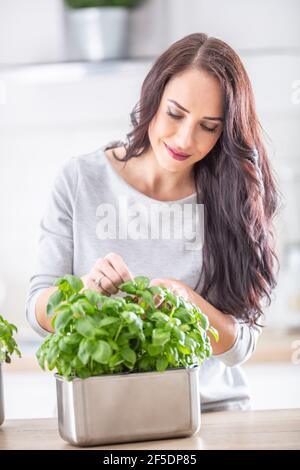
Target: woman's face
194 131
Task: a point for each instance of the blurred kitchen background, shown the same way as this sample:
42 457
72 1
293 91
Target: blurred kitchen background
67 86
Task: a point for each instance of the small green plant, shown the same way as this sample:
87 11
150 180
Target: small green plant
8 345
148 329
101 3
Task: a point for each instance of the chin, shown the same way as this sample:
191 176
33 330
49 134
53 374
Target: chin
168 164
165 161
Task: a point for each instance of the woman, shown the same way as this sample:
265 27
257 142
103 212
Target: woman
197 100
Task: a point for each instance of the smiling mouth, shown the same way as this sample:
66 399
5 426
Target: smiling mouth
175 155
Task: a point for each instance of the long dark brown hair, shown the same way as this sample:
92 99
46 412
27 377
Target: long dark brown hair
234 180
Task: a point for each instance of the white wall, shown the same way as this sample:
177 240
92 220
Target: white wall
245 25
33 30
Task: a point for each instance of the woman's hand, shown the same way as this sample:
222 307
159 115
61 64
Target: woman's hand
177 287
107 274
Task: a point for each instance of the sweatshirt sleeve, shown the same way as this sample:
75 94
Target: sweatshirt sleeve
54 253
244 345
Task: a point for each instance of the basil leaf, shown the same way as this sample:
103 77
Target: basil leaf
102 353
54 300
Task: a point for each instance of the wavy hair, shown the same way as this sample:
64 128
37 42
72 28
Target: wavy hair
234 180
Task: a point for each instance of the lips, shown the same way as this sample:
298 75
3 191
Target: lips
175 154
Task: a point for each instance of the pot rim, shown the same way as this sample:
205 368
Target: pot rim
192 367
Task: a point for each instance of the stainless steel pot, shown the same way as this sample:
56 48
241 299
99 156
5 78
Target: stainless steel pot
129 407
97 33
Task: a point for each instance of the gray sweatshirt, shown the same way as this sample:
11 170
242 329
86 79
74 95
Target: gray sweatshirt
92 211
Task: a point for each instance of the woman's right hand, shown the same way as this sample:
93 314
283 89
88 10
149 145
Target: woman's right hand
112 270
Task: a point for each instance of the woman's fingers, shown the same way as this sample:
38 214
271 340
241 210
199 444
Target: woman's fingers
102 282
112 271
119 265
103 266
89 282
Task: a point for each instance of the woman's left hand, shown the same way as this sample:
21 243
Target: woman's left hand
177 287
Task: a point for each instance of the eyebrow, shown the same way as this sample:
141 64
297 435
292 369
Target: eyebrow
205 117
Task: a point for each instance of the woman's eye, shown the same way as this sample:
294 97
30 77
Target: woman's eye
209 129
176 116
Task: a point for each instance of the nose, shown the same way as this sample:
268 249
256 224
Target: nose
185 138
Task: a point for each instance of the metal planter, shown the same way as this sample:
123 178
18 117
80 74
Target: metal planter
129 407
97 33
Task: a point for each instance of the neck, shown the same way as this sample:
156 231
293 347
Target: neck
159 181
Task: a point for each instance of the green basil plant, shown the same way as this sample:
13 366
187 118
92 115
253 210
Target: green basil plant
149 329
102 3
8 345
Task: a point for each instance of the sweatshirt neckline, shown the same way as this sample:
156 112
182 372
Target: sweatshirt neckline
121 180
